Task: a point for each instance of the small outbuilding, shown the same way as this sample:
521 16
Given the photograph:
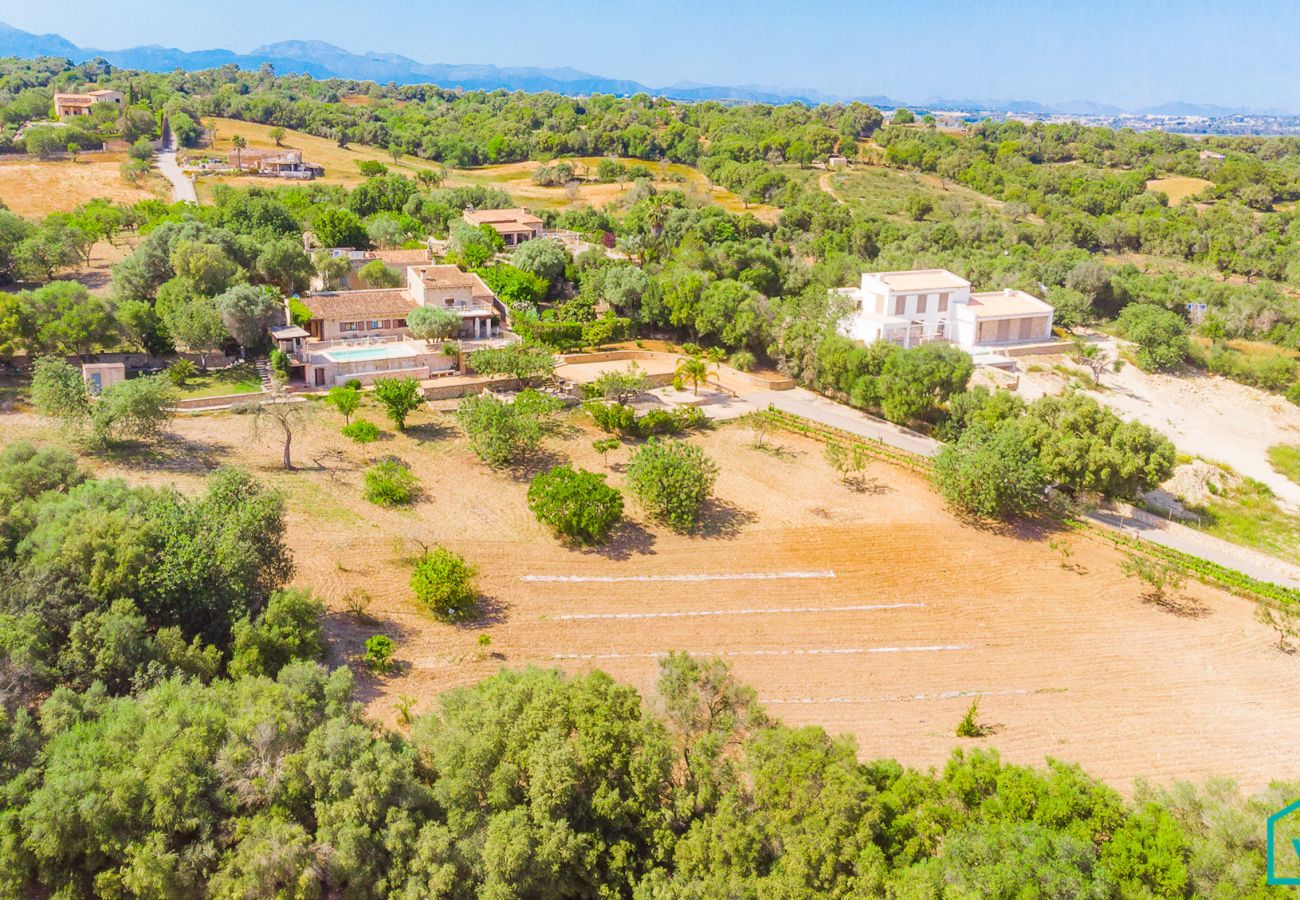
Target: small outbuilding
100 377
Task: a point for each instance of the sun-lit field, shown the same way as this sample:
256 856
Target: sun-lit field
1178 187
871 611
38 187
340 163
882 190
515 178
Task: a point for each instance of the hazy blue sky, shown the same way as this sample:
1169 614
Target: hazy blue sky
1127 52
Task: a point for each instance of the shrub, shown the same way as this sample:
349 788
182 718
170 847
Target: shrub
181 371
390 483
612 417
504 432
970 726
279 363
445 584
742 361
578 505
361 431
288 629
1160 335
354 383
672 481
379 653
992 473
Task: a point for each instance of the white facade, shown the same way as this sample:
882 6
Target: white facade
928 305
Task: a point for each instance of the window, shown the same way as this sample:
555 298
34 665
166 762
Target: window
900 305
374 325
349 326
943 303
449 302
399 323
922 303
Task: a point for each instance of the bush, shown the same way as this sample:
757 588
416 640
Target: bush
991 473
672 481
578 505
504 432
742 361
390 483
288 629
1160 335
615 418
379 653
279 363
181 371
445 584
361 431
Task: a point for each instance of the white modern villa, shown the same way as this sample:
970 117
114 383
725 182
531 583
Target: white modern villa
927 305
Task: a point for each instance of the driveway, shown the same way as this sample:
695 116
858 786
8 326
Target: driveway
182 185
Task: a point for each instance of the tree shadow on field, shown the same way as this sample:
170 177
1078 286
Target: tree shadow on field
492 610
629 539
861 484
1176 604
540 460
171 454
347 634
429 432
723 519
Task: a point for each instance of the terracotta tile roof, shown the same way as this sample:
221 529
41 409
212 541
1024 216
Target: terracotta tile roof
504 219
447 276
402 257
343 306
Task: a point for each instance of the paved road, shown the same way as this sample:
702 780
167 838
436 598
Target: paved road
1204 546
805 403
182 185
813 406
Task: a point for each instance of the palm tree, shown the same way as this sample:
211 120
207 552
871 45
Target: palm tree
694 370
239 142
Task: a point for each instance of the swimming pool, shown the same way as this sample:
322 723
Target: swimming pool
361 354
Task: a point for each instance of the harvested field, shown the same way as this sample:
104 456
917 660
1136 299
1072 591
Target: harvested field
871 611
36 188
1178 187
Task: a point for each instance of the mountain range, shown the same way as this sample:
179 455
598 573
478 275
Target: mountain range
323 60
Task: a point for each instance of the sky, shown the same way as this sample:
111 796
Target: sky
1130 53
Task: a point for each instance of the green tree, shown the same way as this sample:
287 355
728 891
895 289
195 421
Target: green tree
429 323
289 629
446 585
59 391
63 317
530 365
693 370
379 653
136 409
913 384
400 397
672 480
198 326
1160 335
379 275
576 504
337 227
990 472
505 432
247 311
544 258
620 385
346 400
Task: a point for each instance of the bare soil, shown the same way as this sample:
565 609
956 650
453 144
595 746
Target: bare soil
36 188
867 609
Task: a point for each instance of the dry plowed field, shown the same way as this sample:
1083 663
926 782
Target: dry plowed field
870 611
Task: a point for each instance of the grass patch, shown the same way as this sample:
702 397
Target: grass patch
1251 516
240 378
1285 460
1178 187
